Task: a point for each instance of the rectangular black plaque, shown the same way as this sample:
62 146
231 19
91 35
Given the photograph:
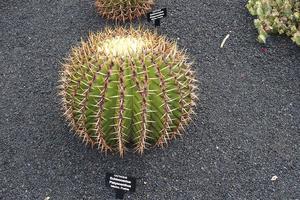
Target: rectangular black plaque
157 15
121 184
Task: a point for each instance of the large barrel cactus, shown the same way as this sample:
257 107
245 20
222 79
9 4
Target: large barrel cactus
122 10
127 88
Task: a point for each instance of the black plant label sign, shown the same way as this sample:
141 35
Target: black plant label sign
121 184
157 15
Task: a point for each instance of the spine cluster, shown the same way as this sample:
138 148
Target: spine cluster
120 10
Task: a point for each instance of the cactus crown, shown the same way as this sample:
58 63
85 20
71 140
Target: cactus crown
127 86
122 10
280 16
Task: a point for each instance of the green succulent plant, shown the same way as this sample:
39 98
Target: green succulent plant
127 88
276 17
122 10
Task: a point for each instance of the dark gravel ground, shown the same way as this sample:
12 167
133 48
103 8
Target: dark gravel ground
246 130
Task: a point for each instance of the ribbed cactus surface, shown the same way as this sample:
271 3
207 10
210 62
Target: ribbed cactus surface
122 10
276 16
127 88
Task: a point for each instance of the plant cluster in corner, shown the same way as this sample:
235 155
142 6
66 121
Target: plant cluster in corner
276 17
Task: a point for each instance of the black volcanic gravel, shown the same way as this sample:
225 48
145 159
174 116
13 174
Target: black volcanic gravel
246 130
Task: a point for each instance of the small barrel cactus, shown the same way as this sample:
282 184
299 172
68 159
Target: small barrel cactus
127 88
276 16
122 10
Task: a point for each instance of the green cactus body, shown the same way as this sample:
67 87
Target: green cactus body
276 17
127 87
122 10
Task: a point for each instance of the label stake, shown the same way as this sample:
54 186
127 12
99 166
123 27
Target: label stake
121 184
156 15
